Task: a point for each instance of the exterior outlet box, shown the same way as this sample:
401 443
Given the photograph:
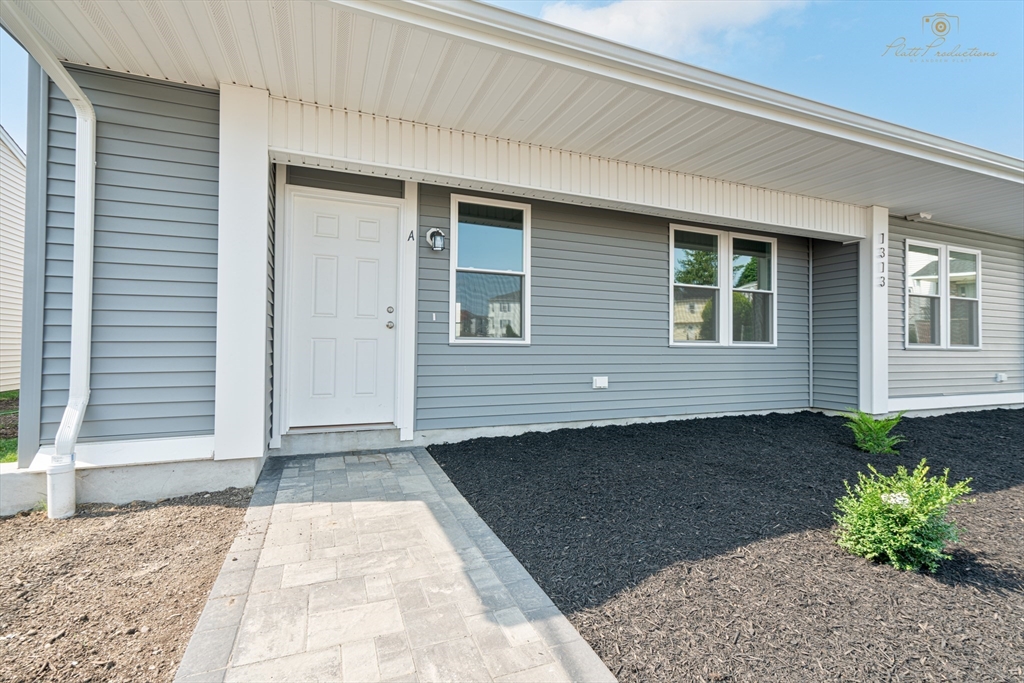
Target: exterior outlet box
600 382
1000 377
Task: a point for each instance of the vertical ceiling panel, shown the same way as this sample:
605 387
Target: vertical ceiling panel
381 35
322 50
58 31
165 67
212 24
95 13
260 15
297 23
242 23
168 17
342 27
424 74
392 67
358 53
409 71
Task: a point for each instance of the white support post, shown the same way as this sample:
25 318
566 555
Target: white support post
408 257
242 274
874 315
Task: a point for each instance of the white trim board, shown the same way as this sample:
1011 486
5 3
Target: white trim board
414 151
135 452
961 401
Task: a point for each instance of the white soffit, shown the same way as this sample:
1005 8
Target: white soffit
478 69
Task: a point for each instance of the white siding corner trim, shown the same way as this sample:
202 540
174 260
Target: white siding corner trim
367 143
239 412
873 354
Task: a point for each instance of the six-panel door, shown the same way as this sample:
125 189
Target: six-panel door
342 301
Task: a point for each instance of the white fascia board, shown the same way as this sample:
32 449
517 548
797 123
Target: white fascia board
497 28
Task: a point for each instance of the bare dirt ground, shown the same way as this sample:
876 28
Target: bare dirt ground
114 593
704 550
8 415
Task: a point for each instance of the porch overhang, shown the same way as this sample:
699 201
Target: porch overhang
475 70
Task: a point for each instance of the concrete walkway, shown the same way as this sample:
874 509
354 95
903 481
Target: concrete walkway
372 567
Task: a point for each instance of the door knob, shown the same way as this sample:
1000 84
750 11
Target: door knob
391 325
391 309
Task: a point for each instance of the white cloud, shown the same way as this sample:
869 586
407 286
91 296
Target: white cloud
680 28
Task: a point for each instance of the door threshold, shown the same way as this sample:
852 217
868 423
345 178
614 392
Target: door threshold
364 427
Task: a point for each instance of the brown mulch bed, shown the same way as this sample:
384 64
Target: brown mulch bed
113 593
703 549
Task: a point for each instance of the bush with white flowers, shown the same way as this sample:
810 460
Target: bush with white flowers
900 519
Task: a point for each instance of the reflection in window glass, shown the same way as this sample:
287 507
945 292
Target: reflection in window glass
963 275
696 258
489 272
923 320
963 322
695 314
751 316
490 238
922 270
751 264
479 302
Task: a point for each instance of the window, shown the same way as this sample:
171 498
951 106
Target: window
490 271
943 296
733 305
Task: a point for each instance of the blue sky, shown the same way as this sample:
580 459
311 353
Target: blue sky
832 52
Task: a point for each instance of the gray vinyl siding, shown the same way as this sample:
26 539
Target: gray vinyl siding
155 259
345 182
951 372
835 325
600 305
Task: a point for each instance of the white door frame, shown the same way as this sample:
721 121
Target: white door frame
405 314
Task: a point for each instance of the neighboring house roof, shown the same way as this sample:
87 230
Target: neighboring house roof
472 67
9 142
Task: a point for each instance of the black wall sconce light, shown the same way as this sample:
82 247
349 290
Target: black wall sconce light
436 238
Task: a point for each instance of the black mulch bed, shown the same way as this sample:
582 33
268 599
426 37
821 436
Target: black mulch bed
702 549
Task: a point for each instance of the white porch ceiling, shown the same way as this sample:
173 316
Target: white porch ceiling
415 63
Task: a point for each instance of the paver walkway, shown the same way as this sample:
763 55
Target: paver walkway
373 567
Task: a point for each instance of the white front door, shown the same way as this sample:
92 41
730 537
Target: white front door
342 307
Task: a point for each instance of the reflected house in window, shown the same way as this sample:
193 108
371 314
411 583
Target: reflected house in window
504 314
924 289
692 314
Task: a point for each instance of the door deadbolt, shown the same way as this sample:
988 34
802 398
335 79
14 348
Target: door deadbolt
391 309
390 325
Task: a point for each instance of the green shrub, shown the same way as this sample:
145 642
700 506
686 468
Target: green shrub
899 519
872 435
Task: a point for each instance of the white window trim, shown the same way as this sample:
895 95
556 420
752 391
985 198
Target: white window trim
453 259
944 297
725 288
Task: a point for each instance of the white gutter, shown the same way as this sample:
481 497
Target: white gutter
60 474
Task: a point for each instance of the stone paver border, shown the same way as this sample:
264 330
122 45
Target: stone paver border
295 603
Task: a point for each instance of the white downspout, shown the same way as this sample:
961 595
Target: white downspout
60 474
